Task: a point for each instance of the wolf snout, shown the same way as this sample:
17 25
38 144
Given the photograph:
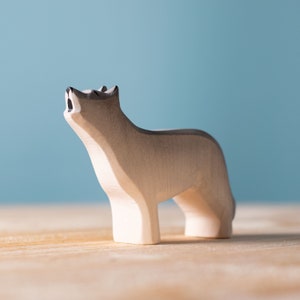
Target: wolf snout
69 102
69 89
72 101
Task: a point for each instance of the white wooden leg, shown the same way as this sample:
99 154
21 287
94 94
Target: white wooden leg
202 218
134 223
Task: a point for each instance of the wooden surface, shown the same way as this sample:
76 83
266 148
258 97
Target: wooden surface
66 252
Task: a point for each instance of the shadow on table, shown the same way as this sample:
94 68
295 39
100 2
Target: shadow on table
236 238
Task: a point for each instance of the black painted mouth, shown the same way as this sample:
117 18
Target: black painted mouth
70 105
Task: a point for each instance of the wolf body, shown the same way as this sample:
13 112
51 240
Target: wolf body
139 168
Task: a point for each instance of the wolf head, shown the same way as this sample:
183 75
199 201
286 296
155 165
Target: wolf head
80 101
90 106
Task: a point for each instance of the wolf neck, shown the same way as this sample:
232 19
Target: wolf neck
108 147
116 134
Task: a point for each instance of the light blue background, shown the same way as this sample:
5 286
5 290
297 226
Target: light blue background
231 68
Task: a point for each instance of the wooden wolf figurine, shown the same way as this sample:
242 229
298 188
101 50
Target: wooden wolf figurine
140 168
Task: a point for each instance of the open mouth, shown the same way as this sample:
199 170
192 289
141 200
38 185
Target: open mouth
70 105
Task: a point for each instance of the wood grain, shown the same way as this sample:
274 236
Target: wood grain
67 252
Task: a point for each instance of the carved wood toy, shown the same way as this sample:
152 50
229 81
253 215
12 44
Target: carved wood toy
139 168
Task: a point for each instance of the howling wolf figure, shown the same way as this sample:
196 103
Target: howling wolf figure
139 168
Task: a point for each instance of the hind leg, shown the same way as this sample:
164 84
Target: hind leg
205 216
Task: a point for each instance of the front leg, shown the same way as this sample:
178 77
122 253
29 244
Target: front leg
134 223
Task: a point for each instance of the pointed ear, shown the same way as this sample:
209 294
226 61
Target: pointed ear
114 91
103 89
